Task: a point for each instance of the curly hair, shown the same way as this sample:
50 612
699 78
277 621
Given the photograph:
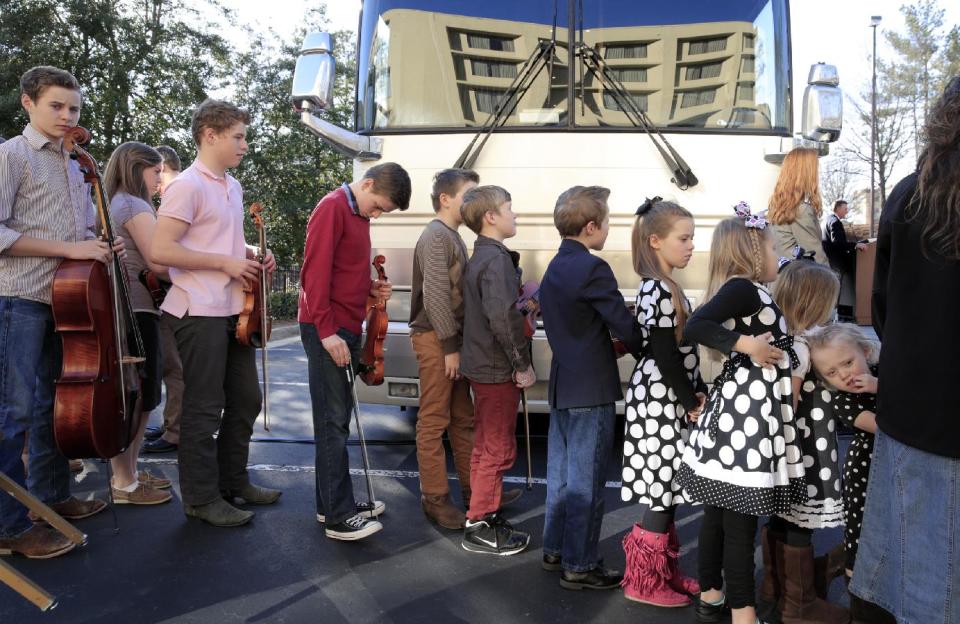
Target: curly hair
936 202
799 180
848 333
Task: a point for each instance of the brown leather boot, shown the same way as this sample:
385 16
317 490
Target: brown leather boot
800 602
37 542
828 567
439 509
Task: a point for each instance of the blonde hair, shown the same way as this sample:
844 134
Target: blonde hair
735 251
799 180
579 205
659 222
806 292
480 200
847 333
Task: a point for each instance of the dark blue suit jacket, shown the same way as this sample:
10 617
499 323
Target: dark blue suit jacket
581 307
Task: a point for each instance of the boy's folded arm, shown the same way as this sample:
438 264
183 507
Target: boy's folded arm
434 257
498 294
737 298
602 291
663 348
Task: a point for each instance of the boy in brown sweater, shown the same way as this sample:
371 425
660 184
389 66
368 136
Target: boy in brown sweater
436 331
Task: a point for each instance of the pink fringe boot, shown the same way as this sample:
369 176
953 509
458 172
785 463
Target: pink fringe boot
650 563
678 582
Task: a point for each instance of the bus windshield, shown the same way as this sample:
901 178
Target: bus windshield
696 64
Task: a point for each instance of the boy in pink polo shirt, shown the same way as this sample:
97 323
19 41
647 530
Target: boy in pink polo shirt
199 235
334 285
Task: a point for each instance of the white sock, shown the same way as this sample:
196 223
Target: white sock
130 488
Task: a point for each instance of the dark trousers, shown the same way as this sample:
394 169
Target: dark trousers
222 396
332 402
726 552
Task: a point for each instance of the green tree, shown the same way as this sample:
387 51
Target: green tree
143 64
288 168
926 57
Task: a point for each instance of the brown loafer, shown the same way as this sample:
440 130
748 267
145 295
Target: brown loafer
37 542
75 509
143 495
151 480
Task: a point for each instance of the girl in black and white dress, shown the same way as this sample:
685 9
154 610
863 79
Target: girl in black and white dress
806 292
742 460
665 390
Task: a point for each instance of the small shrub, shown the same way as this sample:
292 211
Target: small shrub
283 305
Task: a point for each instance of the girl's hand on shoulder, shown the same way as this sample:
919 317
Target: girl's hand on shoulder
865 383
759 349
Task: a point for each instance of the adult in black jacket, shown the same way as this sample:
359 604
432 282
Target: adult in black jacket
839 250
911 525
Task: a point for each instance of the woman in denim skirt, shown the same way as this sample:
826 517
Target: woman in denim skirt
909 556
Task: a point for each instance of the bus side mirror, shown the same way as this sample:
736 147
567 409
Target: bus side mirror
822 105
314 74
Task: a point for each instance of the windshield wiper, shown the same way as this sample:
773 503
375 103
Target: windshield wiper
541 57
683 176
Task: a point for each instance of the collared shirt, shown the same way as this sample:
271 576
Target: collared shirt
213 206
42 195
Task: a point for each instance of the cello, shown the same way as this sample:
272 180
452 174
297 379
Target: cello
94 411
371 358
255 323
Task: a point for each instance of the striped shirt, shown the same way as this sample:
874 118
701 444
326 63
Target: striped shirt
43 195
436 302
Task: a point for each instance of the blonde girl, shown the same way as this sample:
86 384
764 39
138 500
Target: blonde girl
742 460
806 292
665 390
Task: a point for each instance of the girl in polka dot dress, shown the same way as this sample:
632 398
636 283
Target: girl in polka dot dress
807 294
742 460
665 390
847 360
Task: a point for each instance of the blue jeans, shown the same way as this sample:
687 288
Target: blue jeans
332 402
578 446
909 556
29 360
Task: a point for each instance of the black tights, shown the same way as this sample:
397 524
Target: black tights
726 552
794 535
658 521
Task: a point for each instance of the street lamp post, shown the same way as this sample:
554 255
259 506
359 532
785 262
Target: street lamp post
874 22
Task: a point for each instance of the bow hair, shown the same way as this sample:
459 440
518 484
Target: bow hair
647 205
750 220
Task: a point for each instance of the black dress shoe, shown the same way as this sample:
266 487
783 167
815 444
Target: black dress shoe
159 446
712 614
551 563
597 578
152 433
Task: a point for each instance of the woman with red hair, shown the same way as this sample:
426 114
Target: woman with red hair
794 208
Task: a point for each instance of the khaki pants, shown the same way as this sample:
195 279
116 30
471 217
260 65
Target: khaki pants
445 405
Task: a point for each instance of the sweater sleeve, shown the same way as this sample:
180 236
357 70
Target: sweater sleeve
735 299
435 257
663 347
323 233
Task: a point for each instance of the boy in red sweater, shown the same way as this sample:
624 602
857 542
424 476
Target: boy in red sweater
334 286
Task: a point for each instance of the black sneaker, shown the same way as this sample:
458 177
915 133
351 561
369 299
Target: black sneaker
493 535
353 528
152 433
597 578
367 510
712 614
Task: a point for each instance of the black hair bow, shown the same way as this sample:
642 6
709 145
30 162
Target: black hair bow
647 205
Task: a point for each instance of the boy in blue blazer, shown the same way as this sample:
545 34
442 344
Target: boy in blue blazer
581 306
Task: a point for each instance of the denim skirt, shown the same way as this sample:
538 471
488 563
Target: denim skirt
909 556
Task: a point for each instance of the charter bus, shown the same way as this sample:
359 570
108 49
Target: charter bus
689 100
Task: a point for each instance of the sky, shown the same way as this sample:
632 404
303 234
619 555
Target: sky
830 31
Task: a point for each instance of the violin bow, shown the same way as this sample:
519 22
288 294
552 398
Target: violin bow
351 379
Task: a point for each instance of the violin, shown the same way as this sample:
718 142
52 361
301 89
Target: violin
371 359
529 305
255 323
96 393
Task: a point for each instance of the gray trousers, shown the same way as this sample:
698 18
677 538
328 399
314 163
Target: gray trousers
221 395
